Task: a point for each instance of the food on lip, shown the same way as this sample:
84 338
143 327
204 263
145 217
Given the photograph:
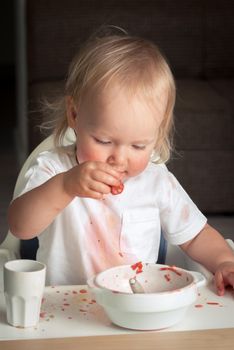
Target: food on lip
117 189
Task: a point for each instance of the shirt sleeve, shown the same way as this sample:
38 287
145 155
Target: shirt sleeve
181 220
41 170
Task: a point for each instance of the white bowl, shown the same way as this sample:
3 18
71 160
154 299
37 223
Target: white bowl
169 291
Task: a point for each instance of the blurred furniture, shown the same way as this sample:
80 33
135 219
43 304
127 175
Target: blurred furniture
197 38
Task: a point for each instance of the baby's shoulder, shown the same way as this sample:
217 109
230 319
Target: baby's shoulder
158 176
156 170
62 158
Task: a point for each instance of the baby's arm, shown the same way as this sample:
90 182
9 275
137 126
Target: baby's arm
33 211
211 250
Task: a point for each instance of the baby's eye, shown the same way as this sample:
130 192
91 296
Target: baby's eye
102 142
140 147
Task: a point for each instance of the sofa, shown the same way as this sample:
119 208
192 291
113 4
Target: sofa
196 36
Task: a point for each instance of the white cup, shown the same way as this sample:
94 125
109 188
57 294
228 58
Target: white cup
24 282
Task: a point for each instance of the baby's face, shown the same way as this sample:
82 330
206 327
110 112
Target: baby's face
119 129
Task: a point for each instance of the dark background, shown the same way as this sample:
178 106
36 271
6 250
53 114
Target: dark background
7 68
8 164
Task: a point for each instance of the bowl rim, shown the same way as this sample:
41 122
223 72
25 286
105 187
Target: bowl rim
142 295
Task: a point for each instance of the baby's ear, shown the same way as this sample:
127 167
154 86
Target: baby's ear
71 112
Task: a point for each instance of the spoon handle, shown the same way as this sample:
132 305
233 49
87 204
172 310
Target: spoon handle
136 287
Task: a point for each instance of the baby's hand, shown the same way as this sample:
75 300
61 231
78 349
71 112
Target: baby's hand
224 276
91 179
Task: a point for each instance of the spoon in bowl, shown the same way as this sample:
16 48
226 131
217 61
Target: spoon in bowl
136 287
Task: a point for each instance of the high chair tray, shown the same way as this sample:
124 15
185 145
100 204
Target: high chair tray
71 311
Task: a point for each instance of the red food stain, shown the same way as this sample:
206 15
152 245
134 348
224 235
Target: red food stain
171 268
82 291
138 267
121 254
42 314
66 304
198 305
212 303
167 277
117 189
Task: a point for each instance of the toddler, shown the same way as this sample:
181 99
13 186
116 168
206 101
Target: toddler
104 200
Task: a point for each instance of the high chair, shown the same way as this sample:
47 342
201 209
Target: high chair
15 247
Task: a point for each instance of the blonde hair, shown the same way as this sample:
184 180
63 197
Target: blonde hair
136 64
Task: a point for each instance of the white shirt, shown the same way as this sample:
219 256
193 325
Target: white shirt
91 235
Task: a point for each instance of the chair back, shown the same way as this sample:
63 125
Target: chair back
26 249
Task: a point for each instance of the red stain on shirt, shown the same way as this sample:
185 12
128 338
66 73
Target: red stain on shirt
185 212
198 305
212 303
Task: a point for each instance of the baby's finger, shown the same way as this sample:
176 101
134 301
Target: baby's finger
99 187
219 282
108 169
95 195
105 178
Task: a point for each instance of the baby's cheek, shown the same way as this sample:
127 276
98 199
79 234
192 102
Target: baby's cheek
138 166
84 155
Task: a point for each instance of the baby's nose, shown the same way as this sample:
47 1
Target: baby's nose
118 159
